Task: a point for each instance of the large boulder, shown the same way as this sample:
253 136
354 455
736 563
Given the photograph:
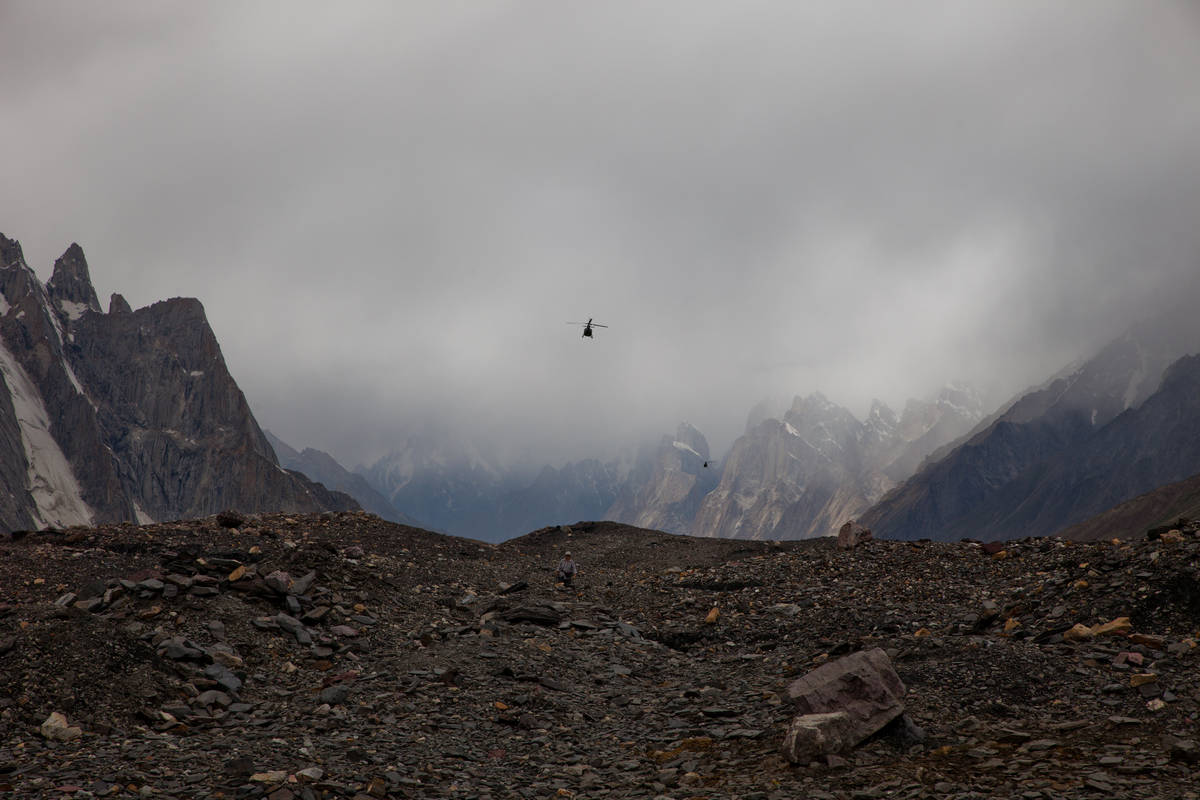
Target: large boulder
841 703
852 535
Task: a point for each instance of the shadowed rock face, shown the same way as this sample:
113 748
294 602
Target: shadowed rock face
1120 424
123 416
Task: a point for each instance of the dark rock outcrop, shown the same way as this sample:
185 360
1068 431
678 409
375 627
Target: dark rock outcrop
130 415
1116 426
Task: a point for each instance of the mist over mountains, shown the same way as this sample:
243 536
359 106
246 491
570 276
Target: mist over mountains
1098 433
131 415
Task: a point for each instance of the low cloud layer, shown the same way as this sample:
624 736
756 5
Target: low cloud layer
390 210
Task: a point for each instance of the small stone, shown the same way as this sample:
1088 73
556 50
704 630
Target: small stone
239 769
56 729
278 581
1116 626
1078 633
335 695
303 584
214 697
1147 640
310 774
272 777
1185 750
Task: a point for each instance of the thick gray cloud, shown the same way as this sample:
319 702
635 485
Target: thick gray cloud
390 209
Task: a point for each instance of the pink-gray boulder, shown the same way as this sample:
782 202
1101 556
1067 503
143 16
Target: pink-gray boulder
852 535
841 703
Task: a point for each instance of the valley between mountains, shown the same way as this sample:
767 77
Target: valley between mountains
133 415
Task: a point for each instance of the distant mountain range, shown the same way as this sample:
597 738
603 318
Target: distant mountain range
323 468
796 477
1094 435
1098 433
805 474
132 415
125 415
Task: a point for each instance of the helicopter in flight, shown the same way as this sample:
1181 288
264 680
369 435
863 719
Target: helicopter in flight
587 327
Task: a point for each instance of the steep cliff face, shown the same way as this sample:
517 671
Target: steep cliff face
1152 445
130 415
1020 473
667 486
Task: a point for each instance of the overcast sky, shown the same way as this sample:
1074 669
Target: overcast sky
390 210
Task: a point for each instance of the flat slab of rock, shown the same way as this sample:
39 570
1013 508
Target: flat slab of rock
841 703
537 613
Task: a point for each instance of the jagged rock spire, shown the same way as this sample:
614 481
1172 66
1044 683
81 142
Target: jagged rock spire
71 281
10 251
117 304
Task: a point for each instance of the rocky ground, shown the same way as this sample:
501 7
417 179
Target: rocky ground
340 656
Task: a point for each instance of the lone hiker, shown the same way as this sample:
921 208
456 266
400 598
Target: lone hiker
567 569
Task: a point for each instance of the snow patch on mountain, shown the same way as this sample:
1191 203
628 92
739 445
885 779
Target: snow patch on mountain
72 309
686 448
52 482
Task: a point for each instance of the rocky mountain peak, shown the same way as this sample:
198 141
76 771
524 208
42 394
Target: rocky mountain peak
10 252
691 438
120 417
881 415
761 412
961 399
118 305
813 404
70 285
